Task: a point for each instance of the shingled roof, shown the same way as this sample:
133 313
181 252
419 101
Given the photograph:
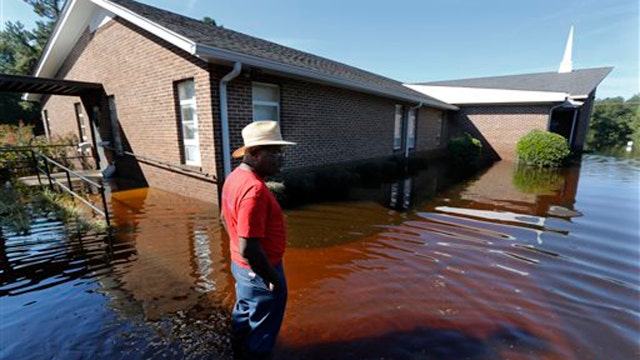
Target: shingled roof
214 38
578 83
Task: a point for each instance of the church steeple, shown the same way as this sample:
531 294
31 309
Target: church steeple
567 63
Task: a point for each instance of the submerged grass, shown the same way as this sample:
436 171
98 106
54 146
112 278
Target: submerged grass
20 203
13 209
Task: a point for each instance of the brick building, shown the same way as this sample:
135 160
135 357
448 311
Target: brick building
177 92
500 110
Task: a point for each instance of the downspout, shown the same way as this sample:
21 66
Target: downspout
224 117
573 127
415 125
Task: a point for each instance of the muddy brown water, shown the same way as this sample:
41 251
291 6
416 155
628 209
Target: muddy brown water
504 265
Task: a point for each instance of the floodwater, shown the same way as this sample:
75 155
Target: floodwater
511 264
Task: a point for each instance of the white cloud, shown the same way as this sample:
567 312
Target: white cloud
191 4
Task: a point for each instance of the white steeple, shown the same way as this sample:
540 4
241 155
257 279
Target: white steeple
567 64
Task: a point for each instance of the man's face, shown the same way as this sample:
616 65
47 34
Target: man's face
269 160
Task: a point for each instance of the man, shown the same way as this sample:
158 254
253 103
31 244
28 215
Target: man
255 224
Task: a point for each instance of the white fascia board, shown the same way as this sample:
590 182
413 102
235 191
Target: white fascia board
580 97
59 38
466 95
63 38
213 53
76 16
164 33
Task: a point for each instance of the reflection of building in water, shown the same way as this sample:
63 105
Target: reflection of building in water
202 256
180 259
507 187
400 194
417 188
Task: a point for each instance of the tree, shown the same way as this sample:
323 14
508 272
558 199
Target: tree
614 122
209 21
20 51
20 48
18 54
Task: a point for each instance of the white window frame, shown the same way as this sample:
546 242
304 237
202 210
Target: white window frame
412 116
82 127
195 142
397 129
47 124
255 102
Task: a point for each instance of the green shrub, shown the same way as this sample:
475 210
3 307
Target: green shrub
21 135
464 150
542 149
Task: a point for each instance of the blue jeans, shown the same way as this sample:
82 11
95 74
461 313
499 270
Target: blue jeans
258 313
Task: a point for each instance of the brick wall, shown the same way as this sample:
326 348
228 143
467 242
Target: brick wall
62 117
499 127
330 125
429 131
140 71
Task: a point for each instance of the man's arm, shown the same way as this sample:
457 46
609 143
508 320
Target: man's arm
223 221
257 259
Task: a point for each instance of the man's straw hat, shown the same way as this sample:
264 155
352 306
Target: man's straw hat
260 133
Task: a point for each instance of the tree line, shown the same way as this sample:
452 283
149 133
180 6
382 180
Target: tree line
20 50
614 122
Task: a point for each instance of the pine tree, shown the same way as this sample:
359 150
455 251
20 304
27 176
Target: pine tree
20 51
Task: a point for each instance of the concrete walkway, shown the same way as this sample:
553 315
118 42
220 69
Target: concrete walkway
94 175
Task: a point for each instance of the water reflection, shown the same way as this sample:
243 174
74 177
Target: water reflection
158 291
179 255
490 258
508 264
400 194
51 254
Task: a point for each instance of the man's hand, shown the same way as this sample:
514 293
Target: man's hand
252 252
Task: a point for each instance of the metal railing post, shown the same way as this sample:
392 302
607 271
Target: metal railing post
35 165
46 168
106 209
69 181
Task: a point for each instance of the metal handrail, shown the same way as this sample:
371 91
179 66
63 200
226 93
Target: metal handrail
104 213
30 147
166 165
66 169
36 155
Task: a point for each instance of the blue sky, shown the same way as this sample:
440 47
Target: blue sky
428 40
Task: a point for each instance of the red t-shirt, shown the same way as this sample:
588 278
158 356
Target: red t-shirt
251 211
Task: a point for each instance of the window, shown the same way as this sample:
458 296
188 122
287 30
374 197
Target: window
189 122
397 131
411 129
47 124
82 127
266 102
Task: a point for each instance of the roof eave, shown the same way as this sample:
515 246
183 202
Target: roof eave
65 34
213 53
208 53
